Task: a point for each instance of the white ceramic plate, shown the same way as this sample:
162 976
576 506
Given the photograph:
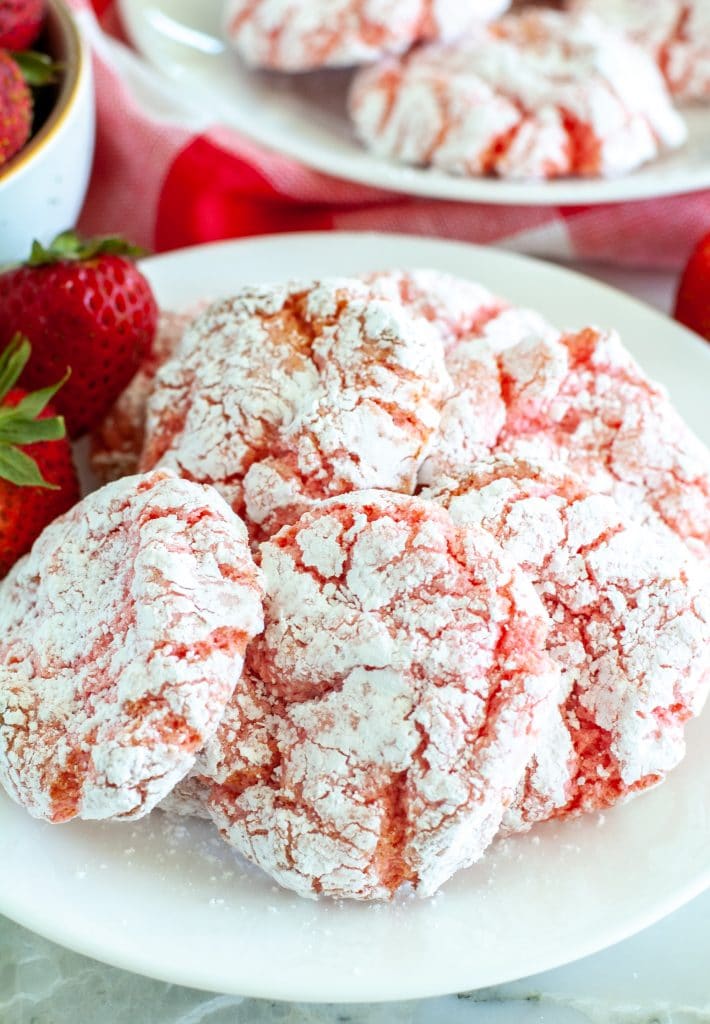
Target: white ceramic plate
304 117
169 899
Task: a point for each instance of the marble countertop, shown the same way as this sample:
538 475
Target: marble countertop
661 976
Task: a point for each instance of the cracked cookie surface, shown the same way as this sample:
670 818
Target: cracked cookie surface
122 635
303 35
676 33
630 630
285 395
582 400
387 713
458 309
540 94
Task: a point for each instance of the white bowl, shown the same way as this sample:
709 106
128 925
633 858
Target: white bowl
42 189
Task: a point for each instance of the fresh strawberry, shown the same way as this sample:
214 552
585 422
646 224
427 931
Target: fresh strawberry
15 108
37 477
19 71
692 306
86 305
20 23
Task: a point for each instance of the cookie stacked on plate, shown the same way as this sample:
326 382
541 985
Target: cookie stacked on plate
399 569
582 89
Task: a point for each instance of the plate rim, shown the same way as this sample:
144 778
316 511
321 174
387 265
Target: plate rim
494 251
199 980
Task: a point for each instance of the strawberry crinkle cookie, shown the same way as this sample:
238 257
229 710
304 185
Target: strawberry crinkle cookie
676 33
458 310
630 630
285 395
454 306
303 35
541 94
123 635
388 712
582 400
117 442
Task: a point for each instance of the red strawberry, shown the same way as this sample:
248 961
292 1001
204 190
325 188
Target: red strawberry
20 23
37 477
15 108
87 306
19 71
692 305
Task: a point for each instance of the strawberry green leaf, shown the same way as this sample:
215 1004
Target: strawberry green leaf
38 255
20 469
12 362
19 423
64 247
20 430
35 403
67 246
37 68
116 246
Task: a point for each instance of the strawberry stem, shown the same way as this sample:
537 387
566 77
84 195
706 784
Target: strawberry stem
68 246
37 69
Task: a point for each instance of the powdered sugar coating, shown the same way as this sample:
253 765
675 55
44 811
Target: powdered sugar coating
284 395
475 412
454 306
457 308
116 444
302 35
389 709
630 629
676 33
583 400
540 94
122 636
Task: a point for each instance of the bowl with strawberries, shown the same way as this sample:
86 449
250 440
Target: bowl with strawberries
47 122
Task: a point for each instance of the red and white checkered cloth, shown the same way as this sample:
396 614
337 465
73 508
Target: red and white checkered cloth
166 177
